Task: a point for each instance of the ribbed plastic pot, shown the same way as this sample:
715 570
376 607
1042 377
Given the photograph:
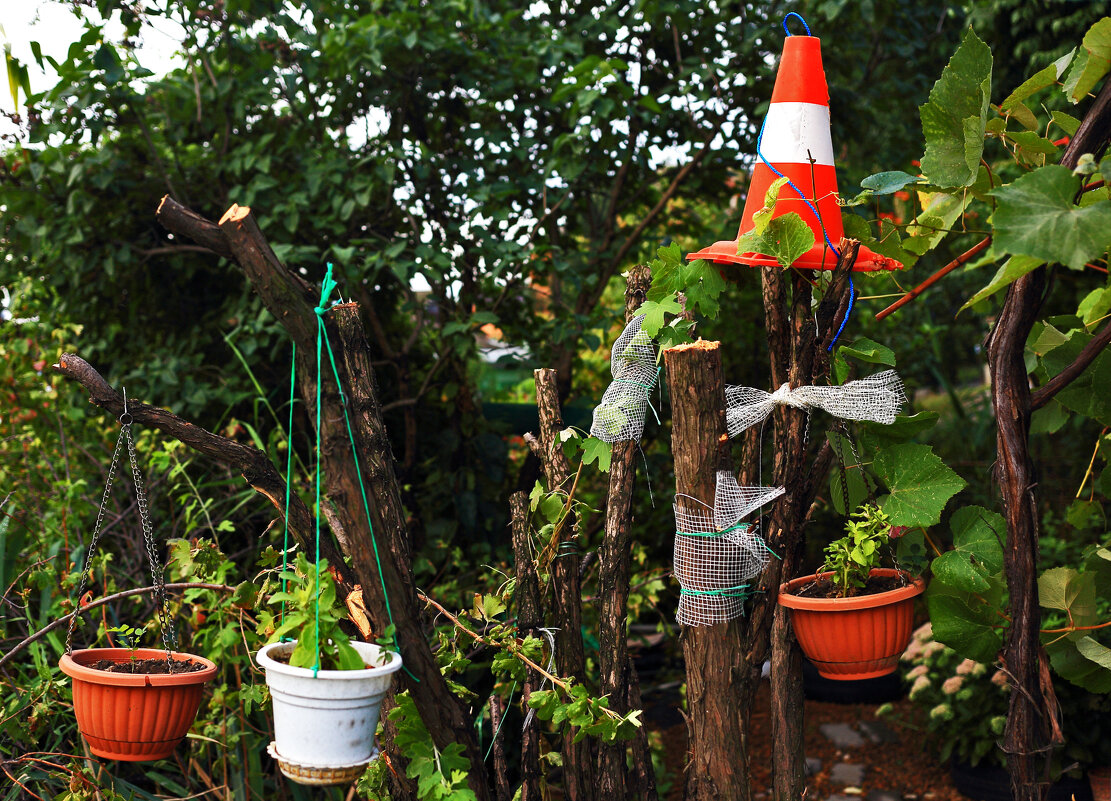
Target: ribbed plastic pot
324 726
853 638
133 717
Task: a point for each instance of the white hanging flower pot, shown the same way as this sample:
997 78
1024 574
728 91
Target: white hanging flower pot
324 725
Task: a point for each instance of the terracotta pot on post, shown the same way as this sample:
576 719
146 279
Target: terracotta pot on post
853 638
133 717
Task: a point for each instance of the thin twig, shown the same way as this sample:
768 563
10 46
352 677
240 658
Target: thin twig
556 680
100 602
968 255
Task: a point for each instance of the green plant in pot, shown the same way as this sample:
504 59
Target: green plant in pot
327 688
853 617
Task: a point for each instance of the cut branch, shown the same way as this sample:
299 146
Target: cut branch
619 681
578 762
253 464
177 219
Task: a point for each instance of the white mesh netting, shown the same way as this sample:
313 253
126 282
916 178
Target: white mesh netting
876 398
716 555
620 415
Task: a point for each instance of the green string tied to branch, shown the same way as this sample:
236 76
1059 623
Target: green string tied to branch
327 287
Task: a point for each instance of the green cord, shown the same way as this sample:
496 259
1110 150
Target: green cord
742 527
738 591
647 390
316 518
322 339
494 739
288 470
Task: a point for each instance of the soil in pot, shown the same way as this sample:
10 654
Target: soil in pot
155 666
823 587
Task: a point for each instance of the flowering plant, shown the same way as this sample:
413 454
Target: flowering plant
965 707
965 702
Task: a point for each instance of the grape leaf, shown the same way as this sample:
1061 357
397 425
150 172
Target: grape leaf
919 483
785 239
865 350
1011 270
1081 660
1036 217
965 621
1092 61
1039 80
1090 393
884 183
595 450
1069 591
955 116
977 551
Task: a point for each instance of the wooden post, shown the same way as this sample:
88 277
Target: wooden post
578 760
618 676
712 653
528 620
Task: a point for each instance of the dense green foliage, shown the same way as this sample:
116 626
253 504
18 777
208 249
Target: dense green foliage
498 165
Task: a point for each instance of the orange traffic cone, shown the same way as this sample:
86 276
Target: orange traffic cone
795 142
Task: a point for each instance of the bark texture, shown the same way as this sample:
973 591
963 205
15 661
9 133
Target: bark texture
712 653
578 760
618 675
1032 726
797 342
528 620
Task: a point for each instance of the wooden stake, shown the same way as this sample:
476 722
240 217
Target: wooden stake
712 653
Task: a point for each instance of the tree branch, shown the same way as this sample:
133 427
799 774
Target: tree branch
64 619
1086 356
177 219
254 465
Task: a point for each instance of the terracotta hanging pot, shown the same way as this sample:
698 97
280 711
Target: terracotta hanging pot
133 717
853 638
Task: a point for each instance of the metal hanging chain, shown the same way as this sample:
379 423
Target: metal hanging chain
844 475
868 485
92 545
169 635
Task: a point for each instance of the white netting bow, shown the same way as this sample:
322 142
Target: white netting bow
876 398
716 555
620 415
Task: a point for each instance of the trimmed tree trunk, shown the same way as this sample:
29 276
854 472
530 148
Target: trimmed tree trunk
618 675
528 620
578 760
712 653
291 300
1010 397
1032 725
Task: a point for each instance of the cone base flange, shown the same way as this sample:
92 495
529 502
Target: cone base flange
818 258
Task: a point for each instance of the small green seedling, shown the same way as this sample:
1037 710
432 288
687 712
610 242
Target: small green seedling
130 636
